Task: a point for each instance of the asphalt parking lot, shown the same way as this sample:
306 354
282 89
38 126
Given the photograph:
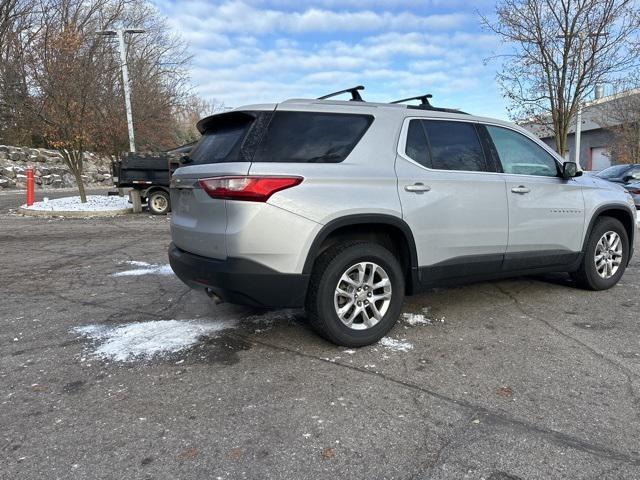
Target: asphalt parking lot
528 378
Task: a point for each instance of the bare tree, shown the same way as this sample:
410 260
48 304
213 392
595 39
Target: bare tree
189 113
158 65
15 30
542 75
60 83
64 65
621 116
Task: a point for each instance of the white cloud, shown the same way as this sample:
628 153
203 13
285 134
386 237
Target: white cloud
401 63
236 16
369 3
255 51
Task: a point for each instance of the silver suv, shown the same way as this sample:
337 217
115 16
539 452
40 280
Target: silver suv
343 207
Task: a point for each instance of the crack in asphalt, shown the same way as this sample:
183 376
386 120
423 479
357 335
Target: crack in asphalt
623 369
123 311
462 428
498 418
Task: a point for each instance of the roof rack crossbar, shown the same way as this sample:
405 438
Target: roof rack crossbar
426 105
355 95
424 99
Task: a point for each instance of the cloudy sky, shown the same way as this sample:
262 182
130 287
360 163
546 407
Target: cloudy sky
249 51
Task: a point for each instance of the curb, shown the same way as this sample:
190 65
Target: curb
73 214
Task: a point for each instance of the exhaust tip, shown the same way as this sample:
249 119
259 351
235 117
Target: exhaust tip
216 299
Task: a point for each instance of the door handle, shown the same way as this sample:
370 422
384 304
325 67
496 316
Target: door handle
521 189
417 188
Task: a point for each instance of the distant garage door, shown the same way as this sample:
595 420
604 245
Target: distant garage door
599 158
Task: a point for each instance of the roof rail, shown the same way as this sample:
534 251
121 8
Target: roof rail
424 99
426 105
355 95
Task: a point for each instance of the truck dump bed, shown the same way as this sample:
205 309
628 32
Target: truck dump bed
140 169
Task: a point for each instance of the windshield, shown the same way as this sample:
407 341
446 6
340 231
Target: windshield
612 172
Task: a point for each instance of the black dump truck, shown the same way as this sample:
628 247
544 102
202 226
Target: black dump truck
148 175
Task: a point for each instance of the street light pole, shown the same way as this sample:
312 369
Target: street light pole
126 87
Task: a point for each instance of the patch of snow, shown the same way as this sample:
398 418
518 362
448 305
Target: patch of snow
416 319
95 203
146 269
145 340
137 263
395 345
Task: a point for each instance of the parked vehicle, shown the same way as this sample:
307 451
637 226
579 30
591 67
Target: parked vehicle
343 207
149 176
626 173
634 190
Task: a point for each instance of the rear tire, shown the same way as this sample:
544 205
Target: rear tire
355 293
605 257
159 202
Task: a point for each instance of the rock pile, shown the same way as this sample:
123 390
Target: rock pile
50 170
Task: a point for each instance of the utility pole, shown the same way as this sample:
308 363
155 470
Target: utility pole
126 87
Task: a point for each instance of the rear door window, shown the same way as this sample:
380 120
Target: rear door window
445 145
311 137
454 146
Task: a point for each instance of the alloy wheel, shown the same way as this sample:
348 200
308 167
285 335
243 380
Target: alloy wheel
363 295
608 254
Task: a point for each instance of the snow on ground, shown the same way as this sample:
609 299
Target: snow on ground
95 203
146 340
137 263
416 319
145 269
395 345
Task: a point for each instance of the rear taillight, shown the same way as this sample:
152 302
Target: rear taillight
253 189
634 191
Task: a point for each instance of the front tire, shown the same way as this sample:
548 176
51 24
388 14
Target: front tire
606 256
355 293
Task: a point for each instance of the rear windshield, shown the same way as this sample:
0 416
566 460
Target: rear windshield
222 139
311 137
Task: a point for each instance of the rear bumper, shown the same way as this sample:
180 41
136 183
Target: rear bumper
240 281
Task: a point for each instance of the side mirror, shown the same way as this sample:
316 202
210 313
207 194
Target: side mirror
570 170
629 178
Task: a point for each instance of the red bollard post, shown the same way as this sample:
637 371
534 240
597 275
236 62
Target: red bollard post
30 186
